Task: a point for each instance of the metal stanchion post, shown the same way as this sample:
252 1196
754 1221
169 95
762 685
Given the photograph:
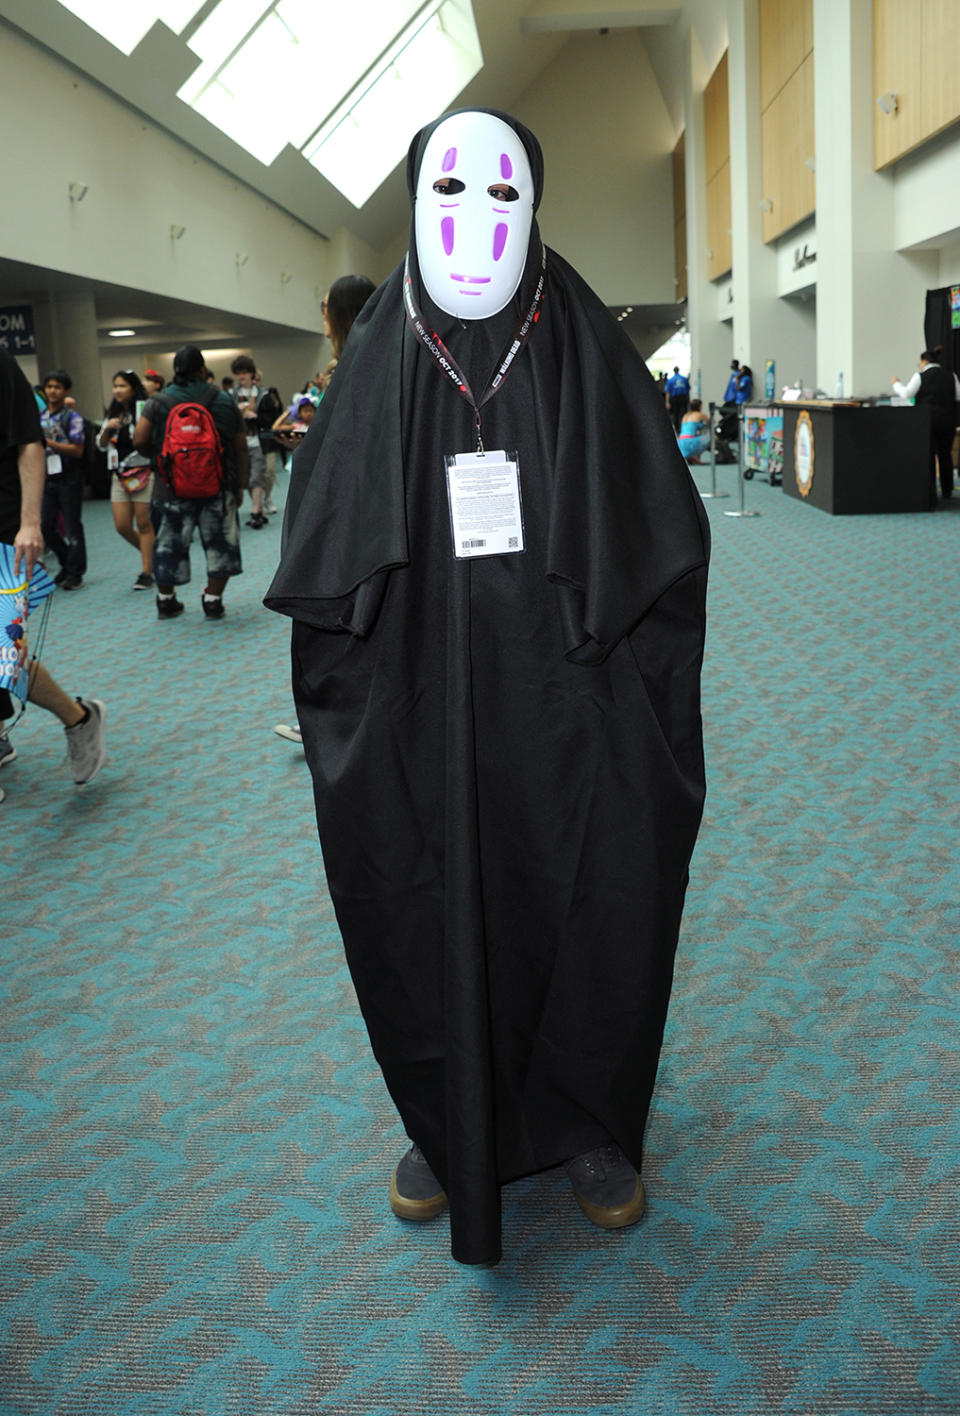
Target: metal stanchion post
742 510
713 462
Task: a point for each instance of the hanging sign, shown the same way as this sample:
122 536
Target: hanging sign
16 329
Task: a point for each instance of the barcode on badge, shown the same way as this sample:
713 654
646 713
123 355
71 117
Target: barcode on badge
472 545
513 542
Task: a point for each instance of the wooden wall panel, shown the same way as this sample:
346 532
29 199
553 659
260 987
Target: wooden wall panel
719 242
680 258
786 38
896 69
788 141
716 120
680 219
679 179
916 44
940 97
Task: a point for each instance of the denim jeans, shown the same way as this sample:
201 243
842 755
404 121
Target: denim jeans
63 498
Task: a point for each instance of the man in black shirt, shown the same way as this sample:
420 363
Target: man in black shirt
22 476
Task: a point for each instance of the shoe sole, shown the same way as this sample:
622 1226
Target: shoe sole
615 1216
417 1210
5 761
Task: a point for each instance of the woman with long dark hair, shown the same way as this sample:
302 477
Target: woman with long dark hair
343 302
341 305
131 485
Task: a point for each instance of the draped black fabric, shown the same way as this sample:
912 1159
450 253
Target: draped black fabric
506 752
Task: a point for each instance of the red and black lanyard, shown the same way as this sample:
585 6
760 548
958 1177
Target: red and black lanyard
447 365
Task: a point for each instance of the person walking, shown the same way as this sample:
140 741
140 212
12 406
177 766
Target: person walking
214 517
678 396
132 479
23 454
63 489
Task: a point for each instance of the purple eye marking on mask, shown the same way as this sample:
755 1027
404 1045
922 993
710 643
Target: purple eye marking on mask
450 160
506 166
446 231
500 239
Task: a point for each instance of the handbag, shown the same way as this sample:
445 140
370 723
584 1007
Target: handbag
134 472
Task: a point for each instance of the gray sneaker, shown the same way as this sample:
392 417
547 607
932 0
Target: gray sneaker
85 742
606 1187
7 750
415 1191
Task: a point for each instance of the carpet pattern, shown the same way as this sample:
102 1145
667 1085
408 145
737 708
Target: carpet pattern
195 1142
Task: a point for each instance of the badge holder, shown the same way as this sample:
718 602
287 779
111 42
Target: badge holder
486 511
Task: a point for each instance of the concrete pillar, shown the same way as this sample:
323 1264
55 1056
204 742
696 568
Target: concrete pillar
66 330
765 326
866 290
710 338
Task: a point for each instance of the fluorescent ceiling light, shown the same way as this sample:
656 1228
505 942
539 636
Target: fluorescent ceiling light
120 333
412 83
125 27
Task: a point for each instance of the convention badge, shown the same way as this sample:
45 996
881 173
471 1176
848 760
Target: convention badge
54 464
486 514
113 457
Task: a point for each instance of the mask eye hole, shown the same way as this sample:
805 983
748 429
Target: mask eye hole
447 186
502 193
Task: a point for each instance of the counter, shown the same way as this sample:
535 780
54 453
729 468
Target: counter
846 459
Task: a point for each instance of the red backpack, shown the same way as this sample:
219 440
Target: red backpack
191 458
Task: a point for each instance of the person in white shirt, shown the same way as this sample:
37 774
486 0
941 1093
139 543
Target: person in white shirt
939 388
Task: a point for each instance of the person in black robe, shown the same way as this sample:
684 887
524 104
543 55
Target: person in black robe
506 750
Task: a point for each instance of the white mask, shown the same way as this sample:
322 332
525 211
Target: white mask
473 215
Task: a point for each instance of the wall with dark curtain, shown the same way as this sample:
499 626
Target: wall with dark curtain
937 329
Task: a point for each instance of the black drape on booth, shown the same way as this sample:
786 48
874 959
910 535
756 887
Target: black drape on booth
937 328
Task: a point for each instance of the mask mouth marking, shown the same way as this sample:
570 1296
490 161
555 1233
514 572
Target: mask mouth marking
472 280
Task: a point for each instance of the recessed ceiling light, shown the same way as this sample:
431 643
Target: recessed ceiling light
120 333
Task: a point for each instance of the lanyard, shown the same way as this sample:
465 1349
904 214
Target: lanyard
447 365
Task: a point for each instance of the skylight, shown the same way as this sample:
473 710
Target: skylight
272 78
347 82
412 82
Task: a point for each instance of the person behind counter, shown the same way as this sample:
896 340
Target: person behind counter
940 388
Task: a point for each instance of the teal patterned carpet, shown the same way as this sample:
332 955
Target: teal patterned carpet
196 1144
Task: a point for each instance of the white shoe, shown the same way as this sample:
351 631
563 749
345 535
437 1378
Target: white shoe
290 731
85 742
269 507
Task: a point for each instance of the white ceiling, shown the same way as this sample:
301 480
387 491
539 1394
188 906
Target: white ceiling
518 38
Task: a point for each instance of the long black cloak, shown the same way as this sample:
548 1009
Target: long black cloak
506 752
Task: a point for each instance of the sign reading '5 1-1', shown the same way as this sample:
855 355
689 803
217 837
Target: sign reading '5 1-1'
16 329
